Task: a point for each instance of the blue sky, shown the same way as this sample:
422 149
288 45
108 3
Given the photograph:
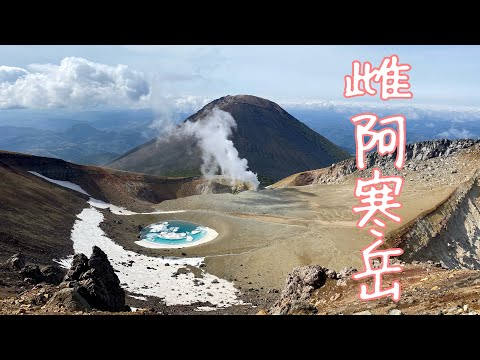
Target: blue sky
444 75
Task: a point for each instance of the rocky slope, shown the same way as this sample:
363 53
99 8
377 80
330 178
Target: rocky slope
441 246
416 154
427 289
449 234
132 190
274 143
89 285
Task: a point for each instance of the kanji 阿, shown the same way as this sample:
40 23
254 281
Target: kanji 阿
387 140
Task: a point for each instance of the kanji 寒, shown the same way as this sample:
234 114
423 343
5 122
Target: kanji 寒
375 199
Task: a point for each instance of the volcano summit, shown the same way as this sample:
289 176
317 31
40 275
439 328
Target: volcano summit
273 141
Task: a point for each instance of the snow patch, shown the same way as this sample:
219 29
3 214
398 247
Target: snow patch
205 308
117 210
65 263
65 184
145 275
151 276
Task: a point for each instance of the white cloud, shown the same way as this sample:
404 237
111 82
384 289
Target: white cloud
10 74
191 103
453 133
75 82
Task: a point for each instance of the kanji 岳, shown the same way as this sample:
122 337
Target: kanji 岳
368 254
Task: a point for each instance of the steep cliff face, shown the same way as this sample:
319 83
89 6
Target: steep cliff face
450 234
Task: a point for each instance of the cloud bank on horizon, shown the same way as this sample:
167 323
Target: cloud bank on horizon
75 83
78 83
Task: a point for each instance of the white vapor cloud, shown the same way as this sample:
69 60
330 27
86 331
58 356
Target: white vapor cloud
75 82
213 132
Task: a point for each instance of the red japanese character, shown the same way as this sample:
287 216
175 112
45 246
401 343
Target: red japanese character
364 124
390 75
368 254
360 82
392 80
377 199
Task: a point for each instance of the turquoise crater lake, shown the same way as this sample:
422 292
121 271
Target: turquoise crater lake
175 233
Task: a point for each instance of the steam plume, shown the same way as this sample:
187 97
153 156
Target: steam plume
212 133
212 136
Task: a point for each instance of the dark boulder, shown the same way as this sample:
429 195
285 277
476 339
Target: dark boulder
32 273
16 262
50 274
79 266
69 299
53 274
95 280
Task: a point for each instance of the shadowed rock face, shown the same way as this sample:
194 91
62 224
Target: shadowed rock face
274 143
95 280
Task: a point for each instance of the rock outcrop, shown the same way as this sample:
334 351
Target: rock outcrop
69 299
95 281
50 274
300 284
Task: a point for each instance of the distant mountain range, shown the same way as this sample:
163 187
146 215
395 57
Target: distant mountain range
81 143
91 138
108 134
273 141
422 124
